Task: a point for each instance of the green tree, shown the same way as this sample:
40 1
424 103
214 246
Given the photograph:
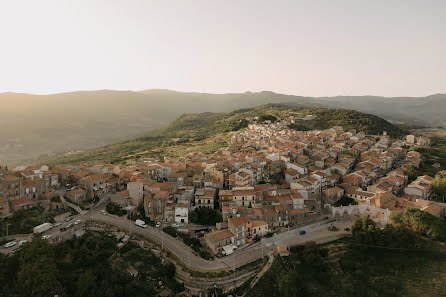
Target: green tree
86 284
290 285
421 222
38 275
411 171
205 216
365 230
439 184
345 201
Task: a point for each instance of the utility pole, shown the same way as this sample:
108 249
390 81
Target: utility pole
188 256
130 223
92 210
261 243
233 262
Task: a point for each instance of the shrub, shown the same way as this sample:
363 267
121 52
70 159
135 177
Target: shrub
115 209
205 216
171 231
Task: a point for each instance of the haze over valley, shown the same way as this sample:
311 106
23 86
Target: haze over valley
36 125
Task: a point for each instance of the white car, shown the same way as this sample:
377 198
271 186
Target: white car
46 236
21 242
104 212
10 244
175 225
158 224
78 222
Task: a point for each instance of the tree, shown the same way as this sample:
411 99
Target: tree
421 222
411 171
345 201
290 285
439 184
38 275
86 284
365 230
205 216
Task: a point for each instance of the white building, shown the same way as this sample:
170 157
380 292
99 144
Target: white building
182 213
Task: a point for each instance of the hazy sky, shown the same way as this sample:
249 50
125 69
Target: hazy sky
315 48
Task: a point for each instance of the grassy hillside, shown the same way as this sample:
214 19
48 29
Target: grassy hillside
35 125
402 259
207 132
343 269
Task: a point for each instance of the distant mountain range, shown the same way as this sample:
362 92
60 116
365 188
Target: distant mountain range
35 125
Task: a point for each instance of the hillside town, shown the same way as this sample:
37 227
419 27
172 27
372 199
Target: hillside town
268 179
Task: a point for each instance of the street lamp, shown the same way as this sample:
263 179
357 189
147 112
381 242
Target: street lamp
7 228
233 263
261 244
188 256
130 222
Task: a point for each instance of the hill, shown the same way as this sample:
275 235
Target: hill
402 259
35 125
207 132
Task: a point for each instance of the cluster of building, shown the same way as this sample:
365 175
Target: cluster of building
269 177
26 187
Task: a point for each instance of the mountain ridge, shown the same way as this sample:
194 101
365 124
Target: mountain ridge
208 131
85 119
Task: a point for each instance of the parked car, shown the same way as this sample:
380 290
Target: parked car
302 232
347 229
158 224
46 236
68 219
78 222
140 223
175 225
10 244
332 228
21 242
104 212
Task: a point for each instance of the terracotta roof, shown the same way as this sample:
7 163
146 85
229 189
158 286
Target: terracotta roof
331 191
256 223
9 178
243 192
219 235
160 194
296 211
239 221
93 177
21 201
123 193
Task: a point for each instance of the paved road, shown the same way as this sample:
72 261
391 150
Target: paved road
56 234
315 232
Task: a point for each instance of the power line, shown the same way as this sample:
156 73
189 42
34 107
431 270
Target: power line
397 248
